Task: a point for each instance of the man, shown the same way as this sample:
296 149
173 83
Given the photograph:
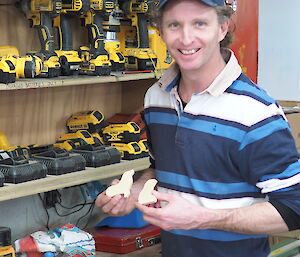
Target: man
223 154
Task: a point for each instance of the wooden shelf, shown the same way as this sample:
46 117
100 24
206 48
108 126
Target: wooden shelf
12 191
74 80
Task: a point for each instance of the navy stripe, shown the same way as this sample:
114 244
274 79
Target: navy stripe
213 128
216 120
159 109
174 245
216 235
243 77
211 196
202 125
204 186
290 171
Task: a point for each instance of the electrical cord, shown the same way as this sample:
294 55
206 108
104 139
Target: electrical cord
48 216
53 198
89 212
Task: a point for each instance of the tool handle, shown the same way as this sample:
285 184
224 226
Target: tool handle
96 35
65 36
45 33
142 30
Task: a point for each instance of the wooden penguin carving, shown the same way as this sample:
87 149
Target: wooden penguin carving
123 187
146 196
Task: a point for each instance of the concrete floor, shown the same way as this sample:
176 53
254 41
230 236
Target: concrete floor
152 251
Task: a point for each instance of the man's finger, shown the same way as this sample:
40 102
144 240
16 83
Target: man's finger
162 196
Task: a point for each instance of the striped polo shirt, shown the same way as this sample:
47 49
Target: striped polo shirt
229 147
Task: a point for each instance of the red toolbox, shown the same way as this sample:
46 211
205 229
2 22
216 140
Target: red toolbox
124 240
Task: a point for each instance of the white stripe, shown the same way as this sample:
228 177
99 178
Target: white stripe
276 184
213 203
249 111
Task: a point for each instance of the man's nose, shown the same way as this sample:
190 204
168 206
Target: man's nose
187 36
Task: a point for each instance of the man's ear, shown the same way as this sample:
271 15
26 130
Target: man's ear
159 31
223 30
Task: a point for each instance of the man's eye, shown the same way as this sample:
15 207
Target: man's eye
200 24
173 25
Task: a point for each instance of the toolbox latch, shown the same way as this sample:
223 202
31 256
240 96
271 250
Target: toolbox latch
153 240
139 242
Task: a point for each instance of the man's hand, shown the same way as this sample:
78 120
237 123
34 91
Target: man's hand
116 205
178 213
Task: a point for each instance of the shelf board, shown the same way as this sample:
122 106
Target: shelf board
12 191
74 80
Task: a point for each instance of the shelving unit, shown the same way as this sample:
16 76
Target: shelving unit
74 80
34 111
13 191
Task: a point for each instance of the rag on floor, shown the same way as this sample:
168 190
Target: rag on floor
68 239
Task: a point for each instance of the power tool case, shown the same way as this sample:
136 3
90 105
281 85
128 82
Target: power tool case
124 240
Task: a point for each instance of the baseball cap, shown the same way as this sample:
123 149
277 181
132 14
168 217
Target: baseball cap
162 3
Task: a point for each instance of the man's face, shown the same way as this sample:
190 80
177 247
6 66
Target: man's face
192 34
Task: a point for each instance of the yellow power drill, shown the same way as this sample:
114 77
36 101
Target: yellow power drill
68 57
95 57
111 26
138 54
41 13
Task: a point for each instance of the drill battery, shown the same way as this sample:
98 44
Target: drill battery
20 169
121 133
92 121
98 155
80 136
35 149
143 144
60 161
134 117
129 151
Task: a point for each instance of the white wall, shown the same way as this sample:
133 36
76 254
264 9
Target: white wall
279 48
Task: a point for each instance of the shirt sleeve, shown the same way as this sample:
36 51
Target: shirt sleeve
269 159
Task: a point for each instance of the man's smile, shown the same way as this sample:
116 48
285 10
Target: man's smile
188 52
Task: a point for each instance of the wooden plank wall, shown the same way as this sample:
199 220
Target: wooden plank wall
32 116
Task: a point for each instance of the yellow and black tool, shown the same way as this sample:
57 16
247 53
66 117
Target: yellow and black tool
95 58
7 71
6 248
129 151
137 51
122 132
92 121
75 139
23 66
111 27
69 58
14 151
41 13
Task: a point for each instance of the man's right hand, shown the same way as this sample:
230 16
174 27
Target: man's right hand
116 205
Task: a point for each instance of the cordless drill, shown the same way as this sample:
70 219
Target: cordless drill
41 13
138 54
68 57
111 26
95 57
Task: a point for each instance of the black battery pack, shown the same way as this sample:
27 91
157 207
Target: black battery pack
59 161
98 155
18 171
